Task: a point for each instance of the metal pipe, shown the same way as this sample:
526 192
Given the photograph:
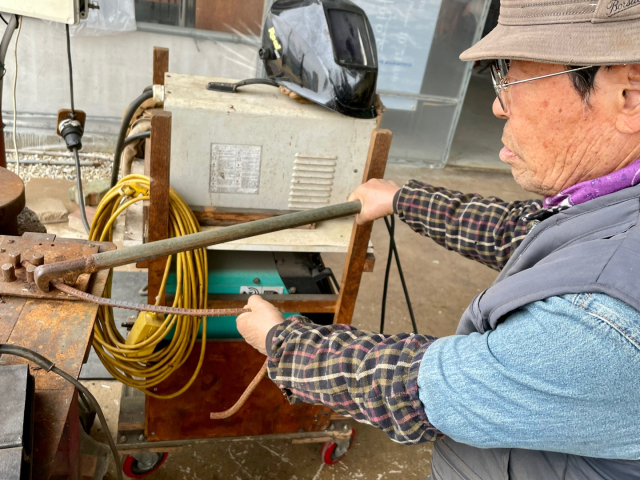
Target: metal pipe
54 162
4 46
115 258
6 38
56 153
198 34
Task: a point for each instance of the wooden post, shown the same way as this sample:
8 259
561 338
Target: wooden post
160 67
357 253
158 169
160 64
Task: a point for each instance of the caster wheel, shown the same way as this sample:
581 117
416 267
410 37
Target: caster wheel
333 452
142 464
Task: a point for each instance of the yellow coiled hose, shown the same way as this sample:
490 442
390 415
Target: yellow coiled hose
143 365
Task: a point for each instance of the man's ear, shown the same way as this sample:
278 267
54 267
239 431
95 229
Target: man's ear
629 116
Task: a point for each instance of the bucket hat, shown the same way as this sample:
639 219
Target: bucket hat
568 32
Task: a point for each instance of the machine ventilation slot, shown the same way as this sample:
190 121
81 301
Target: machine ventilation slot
312 181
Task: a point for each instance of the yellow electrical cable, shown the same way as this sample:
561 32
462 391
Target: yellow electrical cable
133 365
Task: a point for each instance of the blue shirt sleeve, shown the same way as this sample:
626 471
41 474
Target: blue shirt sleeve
560 375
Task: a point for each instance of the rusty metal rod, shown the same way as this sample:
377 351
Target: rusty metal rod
245 395
115 258
141 307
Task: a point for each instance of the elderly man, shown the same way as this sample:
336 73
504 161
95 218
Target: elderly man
542 379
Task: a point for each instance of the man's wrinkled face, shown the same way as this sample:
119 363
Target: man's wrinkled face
552 138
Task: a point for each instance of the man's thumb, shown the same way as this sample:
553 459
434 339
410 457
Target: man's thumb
254 301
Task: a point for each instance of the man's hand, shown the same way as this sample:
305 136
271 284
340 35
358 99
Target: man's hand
255 325
293 95
376 197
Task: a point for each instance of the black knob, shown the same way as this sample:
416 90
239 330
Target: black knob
265 53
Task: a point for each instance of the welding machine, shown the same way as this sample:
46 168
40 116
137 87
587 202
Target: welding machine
259 149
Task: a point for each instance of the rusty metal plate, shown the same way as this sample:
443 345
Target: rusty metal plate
54 250
49 237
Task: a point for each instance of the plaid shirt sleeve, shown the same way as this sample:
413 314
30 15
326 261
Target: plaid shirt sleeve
373 377
484 229
368 376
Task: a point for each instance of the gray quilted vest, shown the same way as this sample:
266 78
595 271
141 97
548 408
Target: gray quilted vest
589 248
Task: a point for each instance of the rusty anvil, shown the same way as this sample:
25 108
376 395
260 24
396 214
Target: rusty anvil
31 262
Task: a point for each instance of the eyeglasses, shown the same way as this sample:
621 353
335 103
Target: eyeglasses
499 72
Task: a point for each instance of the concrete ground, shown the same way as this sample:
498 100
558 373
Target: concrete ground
441 285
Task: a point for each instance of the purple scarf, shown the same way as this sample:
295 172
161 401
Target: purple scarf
590 189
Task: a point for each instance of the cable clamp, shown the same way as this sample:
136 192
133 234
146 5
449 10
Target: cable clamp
158 94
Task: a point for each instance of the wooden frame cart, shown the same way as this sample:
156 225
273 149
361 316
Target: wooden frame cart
148 425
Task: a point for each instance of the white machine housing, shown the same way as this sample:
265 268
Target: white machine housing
63 11
259 149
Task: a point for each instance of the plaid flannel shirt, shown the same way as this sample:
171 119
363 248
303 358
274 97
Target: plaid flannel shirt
373 377
484 229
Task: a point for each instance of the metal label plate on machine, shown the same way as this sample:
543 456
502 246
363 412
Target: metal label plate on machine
235 168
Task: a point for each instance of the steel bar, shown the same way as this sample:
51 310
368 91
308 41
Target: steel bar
100 157
141 307
142 446
54 162
198 34
101 261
